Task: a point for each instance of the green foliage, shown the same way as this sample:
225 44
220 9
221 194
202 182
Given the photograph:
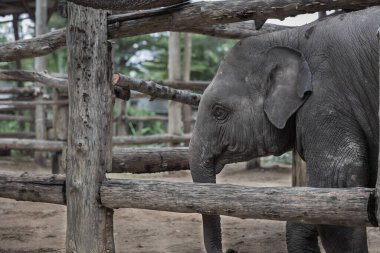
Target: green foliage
282 159
207 52
146 56
9 126
149 128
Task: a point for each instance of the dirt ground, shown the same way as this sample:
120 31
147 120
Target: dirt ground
37 227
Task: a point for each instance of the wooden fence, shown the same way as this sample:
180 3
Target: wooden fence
90 197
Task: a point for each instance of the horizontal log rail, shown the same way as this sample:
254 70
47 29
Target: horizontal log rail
41 77
122 89
18 118
42 145
125 5
139 118
22 92
155 90
150 139
33 187
34 103
18 135
26 144
349 206
204 14
183 85
134 160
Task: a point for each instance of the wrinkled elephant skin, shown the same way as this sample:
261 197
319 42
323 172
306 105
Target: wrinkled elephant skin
313 88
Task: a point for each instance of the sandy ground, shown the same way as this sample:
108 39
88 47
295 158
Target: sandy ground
37 227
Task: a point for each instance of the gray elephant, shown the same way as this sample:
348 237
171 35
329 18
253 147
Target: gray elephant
313 88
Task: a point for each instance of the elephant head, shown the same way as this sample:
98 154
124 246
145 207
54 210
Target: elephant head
247 111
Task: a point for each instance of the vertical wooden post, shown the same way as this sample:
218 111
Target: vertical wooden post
89 224
174 68
60 126
378 159
298 170
40 65
187 113
121 126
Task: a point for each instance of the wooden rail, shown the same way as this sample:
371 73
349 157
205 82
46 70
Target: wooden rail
198 14
150 139
349 207
134 160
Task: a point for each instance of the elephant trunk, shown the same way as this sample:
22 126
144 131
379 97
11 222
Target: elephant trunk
203 171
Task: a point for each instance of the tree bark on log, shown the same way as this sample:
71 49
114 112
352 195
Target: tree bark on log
184 85
238 30
196 14
41 77
125 5
134 160
155 90
89 224
33 187
346 207
222 12
149 139
26 144
38 46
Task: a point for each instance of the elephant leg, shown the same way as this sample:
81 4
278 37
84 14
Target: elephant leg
301 238
340 239
336 155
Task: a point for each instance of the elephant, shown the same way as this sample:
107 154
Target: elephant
313 89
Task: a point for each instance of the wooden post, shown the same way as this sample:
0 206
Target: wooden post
378 170
89 224
60 126
298 170
121 126
40 65
187 113
174 68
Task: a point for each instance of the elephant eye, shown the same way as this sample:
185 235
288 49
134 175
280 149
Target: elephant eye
220 112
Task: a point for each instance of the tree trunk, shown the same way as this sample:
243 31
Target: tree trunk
89 224
174 69
40 65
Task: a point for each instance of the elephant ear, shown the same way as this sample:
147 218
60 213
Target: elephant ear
289 81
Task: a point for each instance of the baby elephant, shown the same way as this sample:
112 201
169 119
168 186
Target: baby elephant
313 88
